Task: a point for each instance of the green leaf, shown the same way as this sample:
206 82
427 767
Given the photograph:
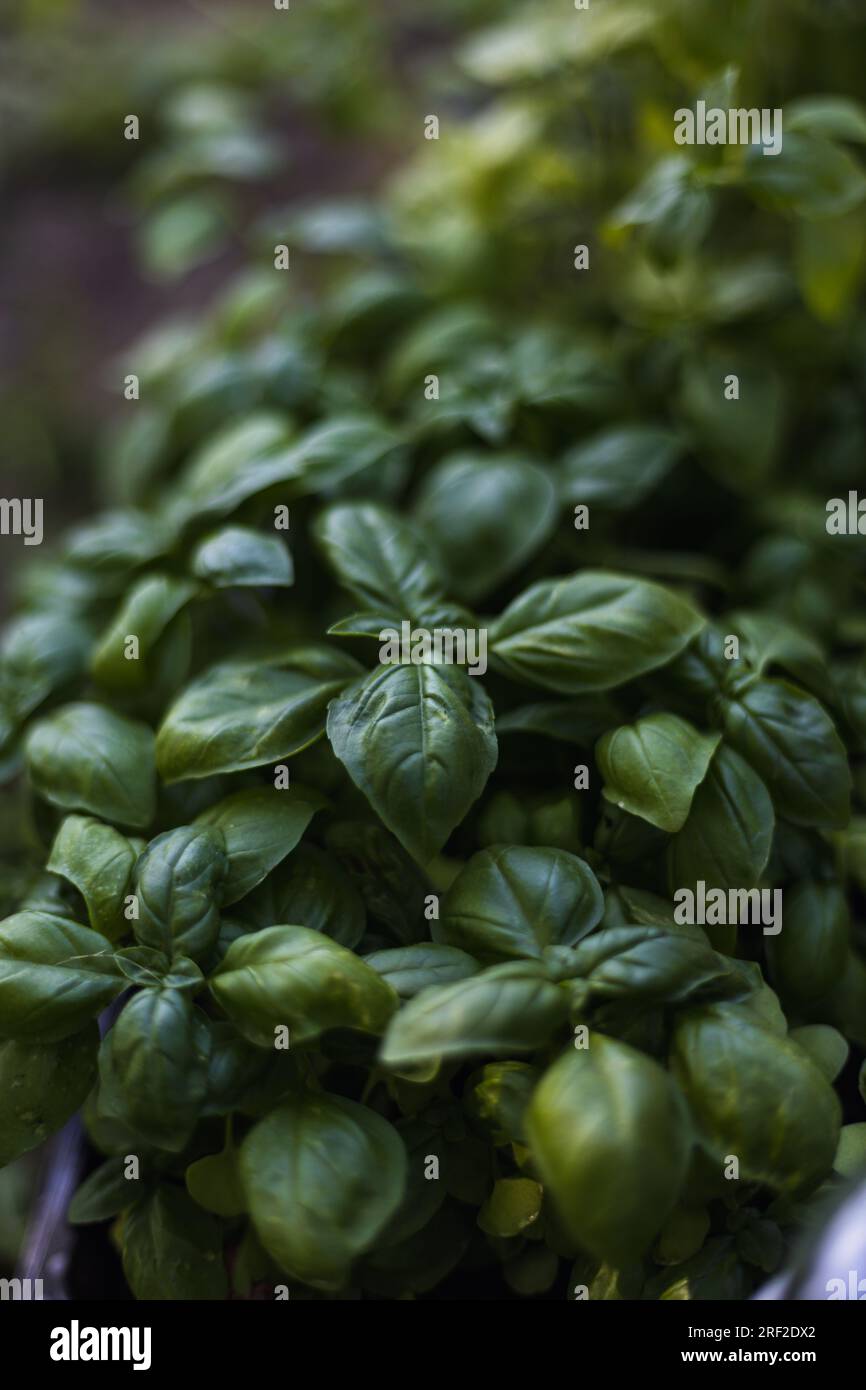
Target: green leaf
609 1133
234 1069
808 956
41 1087
824 1045
255 457
215 1183
104 1192
380 559
510 902
39 654
259 826
241 715
289 976
322 1177
153 1067
418 741
182 234
592 631
230 462
409 969
117 542
652 768
311 889
569 721
99 861
497 1096
727 837
643 965
85 757
144 614
810 177
756 1096
237 556
850 1158
671 207
485 516
836 117
513 1205
172 1250
508 1008
738 438
789 740
55 976
178 881
618 467
830 262
392 886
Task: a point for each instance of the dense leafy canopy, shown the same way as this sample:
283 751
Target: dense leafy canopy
398 972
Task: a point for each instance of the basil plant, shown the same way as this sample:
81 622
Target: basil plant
435 822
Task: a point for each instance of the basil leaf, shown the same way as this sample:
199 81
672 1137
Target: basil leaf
508 1008
54 976
422 1196
570 721
389 881
419 1263
329 453
824 1046
99 860
513 1205
214 1182
117 542
153 1067
757 1096
293 977
591 631
322 1177
609 1132
409 969
105 1192
648 965
485 516
790 741
312 889
259 826
727 837
511 901
41 1086
39 654
85 757
172 1250
237 556
811 176
808 956
652 768
497 1096
418 741
380 559
234 1068
178 881
145 614
619 466
241 715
